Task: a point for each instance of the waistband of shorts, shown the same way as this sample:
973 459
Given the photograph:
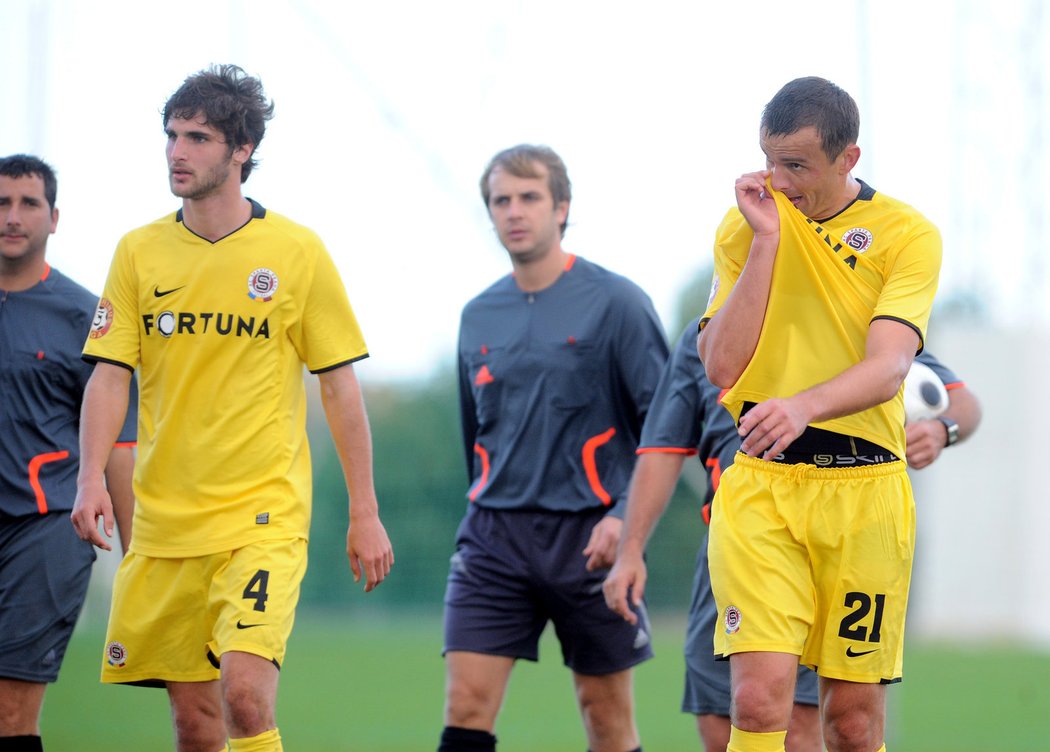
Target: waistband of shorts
824 448
803 470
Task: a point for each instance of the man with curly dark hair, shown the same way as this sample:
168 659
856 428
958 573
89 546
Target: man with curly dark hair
219 306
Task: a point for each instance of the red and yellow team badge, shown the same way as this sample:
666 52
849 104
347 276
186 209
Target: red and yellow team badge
116 654
262 284
732 620
103 319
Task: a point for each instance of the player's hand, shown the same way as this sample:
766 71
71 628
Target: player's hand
755 203
91 503
601 548
628 577
369 550
925 441
770 427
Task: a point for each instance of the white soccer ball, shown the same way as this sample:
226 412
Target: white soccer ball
924 394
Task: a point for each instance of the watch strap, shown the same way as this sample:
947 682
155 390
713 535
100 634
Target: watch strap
952 428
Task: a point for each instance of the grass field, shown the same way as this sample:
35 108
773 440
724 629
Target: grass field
357 685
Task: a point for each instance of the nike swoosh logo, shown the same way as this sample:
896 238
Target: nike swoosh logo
247 626
158 293
851 653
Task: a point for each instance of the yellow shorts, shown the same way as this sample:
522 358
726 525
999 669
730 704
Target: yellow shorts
815 562
172 619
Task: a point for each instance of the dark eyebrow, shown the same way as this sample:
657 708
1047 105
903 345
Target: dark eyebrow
195 134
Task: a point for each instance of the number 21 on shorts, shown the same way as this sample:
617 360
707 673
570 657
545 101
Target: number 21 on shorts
855 624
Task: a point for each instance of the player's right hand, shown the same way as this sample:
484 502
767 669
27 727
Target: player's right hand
627 578
756 204
369 550
91 503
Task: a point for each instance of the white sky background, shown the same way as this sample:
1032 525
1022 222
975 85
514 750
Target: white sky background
387 112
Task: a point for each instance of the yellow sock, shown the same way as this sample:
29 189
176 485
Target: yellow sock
881 749
749 741
267 741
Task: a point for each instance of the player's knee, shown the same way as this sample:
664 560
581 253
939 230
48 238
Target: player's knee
196 715
20 711
469 706
759 705
851 730
609 722
248 712
198 732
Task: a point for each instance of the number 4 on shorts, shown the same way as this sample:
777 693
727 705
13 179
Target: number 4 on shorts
256 589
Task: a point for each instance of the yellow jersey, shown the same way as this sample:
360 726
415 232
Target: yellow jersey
877 259
220 333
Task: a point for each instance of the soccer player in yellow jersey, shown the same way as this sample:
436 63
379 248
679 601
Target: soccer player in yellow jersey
219 306
820 301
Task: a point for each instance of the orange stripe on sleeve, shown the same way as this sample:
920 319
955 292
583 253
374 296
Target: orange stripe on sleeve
666 450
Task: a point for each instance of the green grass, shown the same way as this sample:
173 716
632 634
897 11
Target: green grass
374 683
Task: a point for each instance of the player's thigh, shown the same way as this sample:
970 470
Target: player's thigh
255 596
595 641
490 597
862 551
44 574
760 571
161 620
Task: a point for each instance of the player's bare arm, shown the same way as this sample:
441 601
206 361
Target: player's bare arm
728 340
926 439
652 483
367 544
101 418
771 426
119 472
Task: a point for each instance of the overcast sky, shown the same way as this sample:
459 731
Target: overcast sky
386 113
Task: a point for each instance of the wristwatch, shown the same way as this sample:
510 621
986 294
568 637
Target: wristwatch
953 430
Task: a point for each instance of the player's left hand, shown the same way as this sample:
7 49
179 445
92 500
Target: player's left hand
626 581
91 504
925 441
770 427
369 549
601 548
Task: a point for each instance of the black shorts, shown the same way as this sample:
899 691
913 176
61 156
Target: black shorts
514 570
44 573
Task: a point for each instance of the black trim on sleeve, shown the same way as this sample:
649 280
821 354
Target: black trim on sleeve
92 359
908 324
701 324
326 369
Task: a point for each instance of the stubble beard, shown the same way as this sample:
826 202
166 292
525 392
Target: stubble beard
208 186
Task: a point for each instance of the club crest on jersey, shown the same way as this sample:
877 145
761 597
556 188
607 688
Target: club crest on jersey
262 284
103 319
732 620
859 239
116 654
